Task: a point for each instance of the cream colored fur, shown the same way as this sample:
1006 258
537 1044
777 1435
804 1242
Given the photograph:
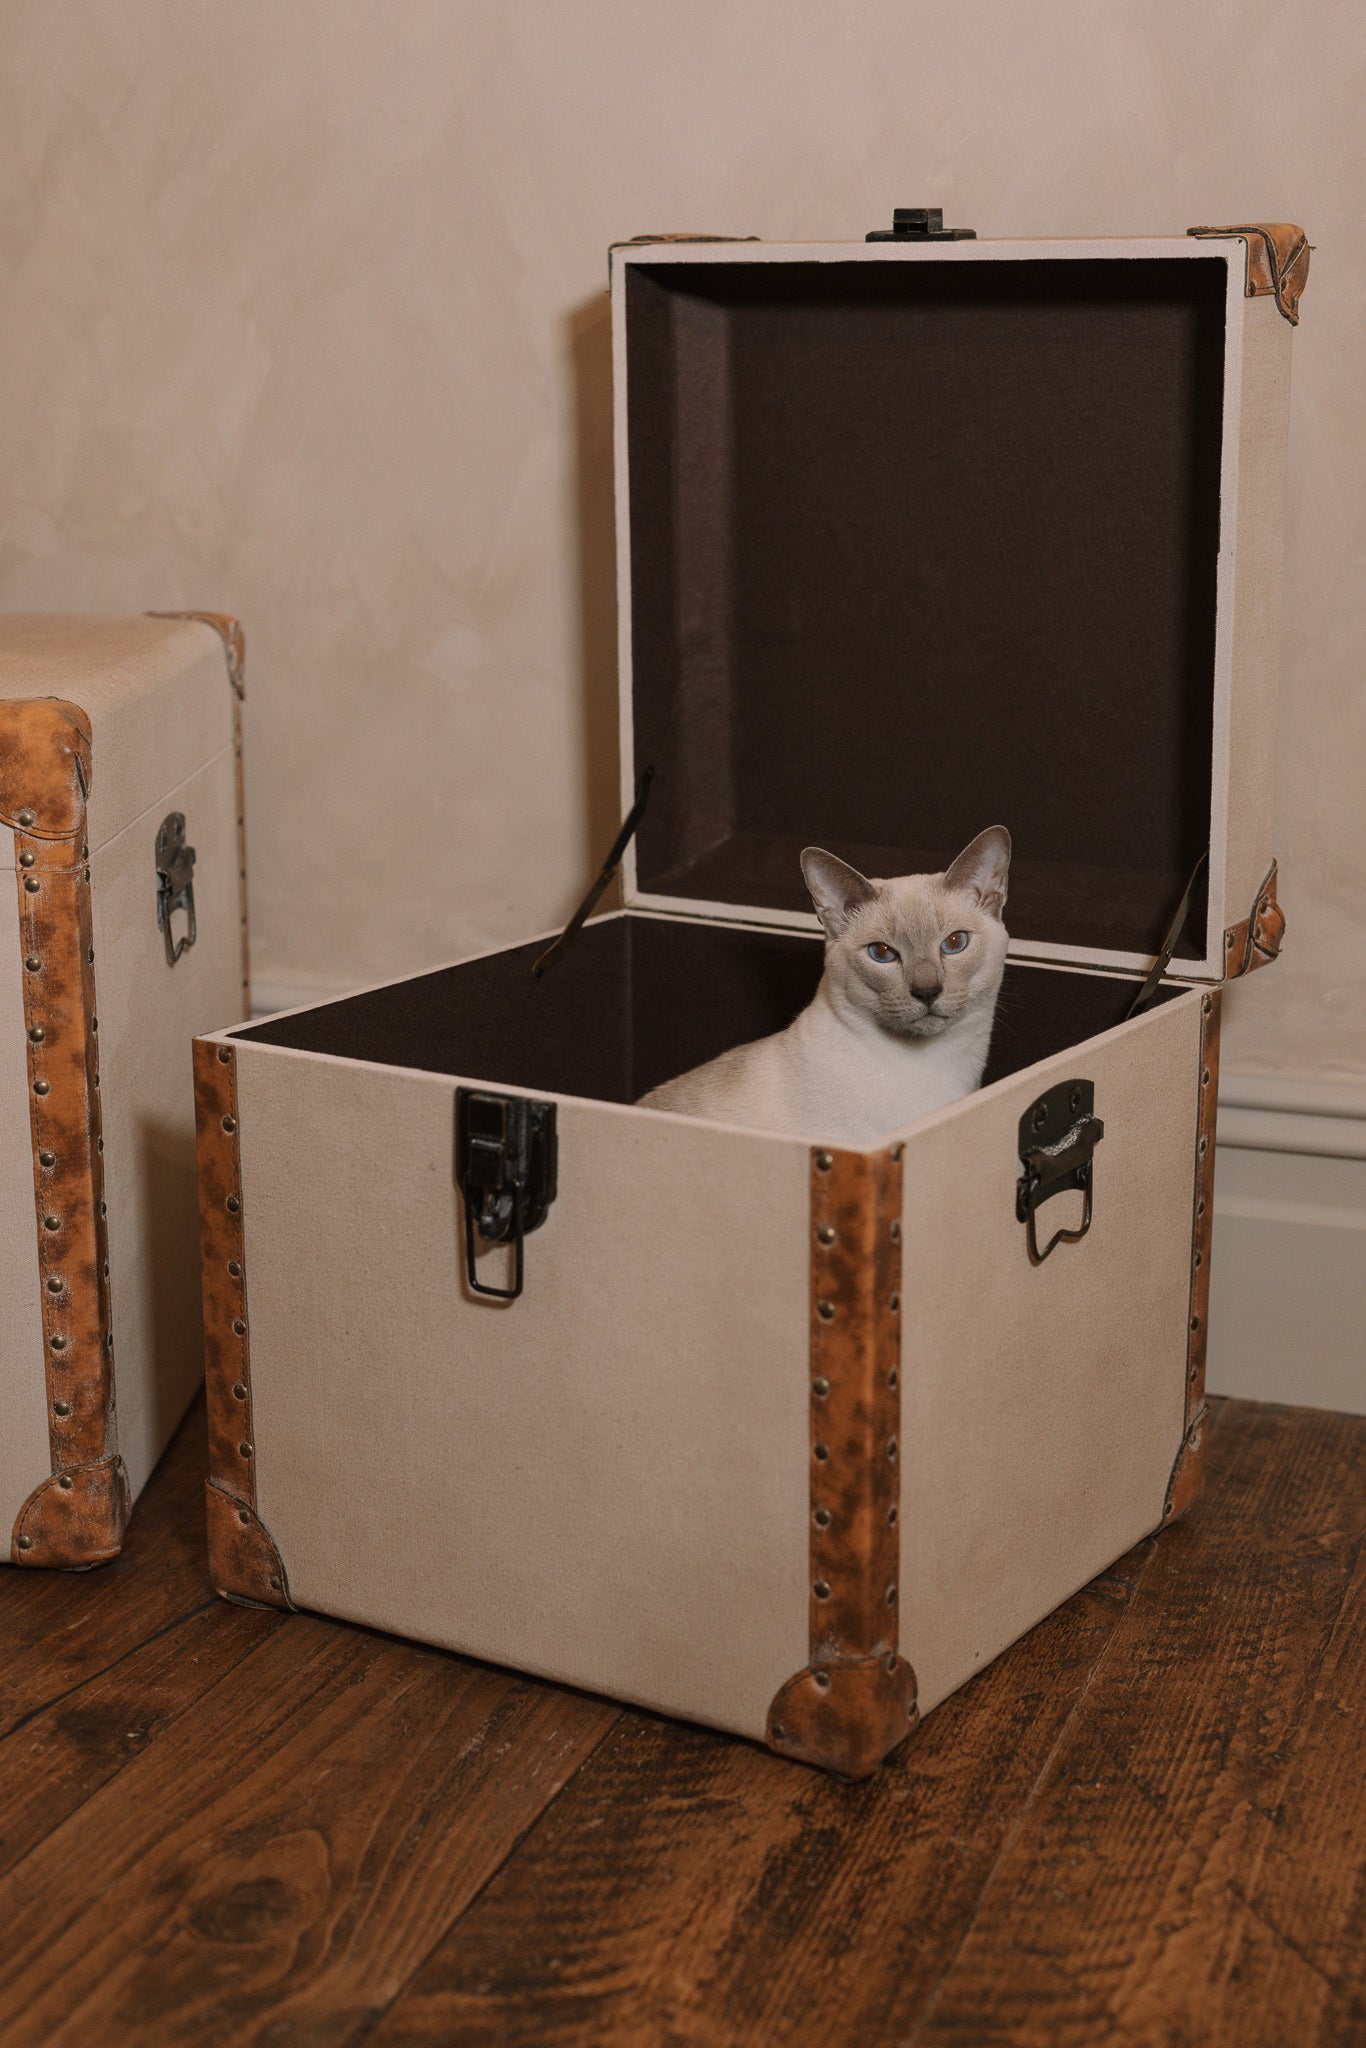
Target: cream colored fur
883 1041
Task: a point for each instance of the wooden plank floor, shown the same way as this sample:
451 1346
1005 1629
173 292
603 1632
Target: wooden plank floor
1145 1824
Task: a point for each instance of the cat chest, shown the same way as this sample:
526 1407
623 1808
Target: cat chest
772 1430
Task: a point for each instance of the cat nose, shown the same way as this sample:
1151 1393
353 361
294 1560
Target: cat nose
926 988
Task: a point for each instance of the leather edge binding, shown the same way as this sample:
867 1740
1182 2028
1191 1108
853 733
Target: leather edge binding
75 1519
1256 940
230 632
1188 1470
243 1559
76 1516
855 1699
1278 255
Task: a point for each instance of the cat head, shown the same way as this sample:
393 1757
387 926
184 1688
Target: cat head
917 952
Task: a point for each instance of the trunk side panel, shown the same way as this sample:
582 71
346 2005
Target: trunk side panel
605 1482
1043 1406
25 1459
149 1012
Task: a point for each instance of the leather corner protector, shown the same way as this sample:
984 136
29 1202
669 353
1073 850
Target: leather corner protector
45 766
1188 1473
75 1519
1277 261
847 1716
1257 939
243 1560
230 632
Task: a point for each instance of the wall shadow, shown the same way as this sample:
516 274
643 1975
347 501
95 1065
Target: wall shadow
588 329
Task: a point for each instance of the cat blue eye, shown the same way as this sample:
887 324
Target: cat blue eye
884 955
956 942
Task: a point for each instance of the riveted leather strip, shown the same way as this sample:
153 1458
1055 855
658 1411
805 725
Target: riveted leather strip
75 1519
1277 261
45 746
1188 1472
856 1699
230 632
1256 939
237 1549
242 1555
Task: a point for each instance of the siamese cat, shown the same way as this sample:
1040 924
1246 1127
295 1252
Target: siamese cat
902 1019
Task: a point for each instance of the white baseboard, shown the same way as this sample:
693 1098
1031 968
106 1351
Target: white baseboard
1287 1318
1288 1274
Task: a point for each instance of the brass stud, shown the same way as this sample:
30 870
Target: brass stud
826 1311
232 1205
824 1161
821 1590
1199 1259
59 1343
820 1388
99 1144
94 1024
822 1518
40 1088
104 1208
826 1233
894 1231
27 818
24 1542
52 1222
891 1596
1200 1206
274 1583
223 1055
894 1303
229 1124
244 1450
31 884
891 1518
779 1732
239 1391
47 1159
891 1447
27 859
239 1328
821 1680
235 1269
1203 1147
821 1452
243 1514
37 1034
54 1285
895 1152
34 964
61 1407
1204 1078
1207 1004
90 956
893 1378
1195 1322
109 1340
66 1482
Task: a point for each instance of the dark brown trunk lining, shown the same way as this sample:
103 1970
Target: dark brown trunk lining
921 547
636 1000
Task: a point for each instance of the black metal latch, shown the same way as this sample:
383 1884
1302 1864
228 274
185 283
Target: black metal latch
920 224
1058 1135
175 884
506 1158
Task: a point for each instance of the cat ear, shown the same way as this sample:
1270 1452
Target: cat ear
983 869
837 890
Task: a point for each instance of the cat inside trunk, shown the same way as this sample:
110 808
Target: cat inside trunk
900 1025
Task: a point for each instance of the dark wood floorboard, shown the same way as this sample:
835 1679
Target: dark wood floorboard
1145 1824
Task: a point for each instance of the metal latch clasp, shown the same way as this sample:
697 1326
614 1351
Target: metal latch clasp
1058 1135
506 1165
175 884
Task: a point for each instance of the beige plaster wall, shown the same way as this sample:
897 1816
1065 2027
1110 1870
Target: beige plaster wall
303 317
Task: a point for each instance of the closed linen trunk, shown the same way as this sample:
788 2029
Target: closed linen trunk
111 729
781 1435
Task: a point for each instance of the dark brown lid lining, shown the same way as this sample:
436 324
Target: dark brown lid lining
917 547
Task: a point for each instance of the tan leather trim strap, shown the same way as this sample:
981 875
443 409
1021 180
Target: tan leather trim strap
237 1547
75 1519
46 774
1188 1472
855 1700
1256 939
230 632
1277 261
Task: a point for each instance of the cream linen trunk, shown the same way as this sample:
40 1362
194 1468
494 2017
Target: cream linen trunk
120 799
915 535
